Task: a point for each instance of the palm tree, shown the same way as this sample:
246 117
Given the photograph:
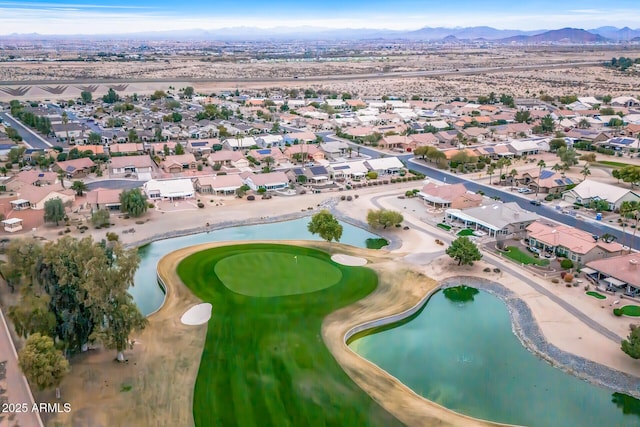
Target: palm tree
557 167
631 210
61 176
65 122
79 187
490 171
584 124
349 150
541 165
268 161
585 171
513 174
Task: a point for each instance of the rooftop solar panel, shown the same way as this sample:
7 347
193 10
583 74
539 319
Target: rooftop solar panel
264 151
546 174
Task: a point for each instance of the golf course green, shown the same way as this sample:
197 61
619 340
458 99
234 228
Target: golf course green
286 274
264 362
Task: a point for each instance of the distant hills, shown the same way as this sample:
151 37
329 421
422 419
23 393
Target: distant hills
427 34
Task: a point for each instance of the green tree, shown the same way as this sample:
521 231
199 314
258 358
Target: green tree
111 97
569 156
86 96
79 187
584 124
268 162
133 202
556 143
585 172
54 210
464 251
631 345
383 218
523 116
132 136
100 218
42 363
179 149
158 94
541 165
109 276
547 124
94 138
326 226
188 91
630 209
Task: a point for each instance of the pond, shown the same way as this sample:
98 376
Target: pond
460 351
148 295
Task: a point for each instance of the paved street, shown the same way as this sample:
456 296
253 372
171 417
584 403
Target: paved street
30 138
593 227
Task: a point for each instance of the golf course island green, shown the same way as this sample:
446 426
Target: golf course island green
264 362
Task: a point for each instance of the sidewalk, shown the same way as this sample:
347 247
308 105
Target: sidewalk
17 391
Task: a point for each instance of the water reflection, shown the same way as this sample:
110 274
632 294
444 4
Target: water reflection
460 293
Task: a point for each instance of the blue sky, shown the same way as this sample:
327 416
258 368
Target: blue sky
118 16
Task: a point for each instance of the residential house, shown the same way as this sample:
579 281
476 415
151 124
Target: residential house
397 143
454 196
169 189
523 147
335 149
422 139
33 177
74 130
589 190
142 166
305 151
268 141
550 182
269 181
227 159
300 137
179 162
624 101
38 196
263 153
199 148
314 175
76 168
103 198
572 243
218 184
617 273
126 148
500 219
348 170
385 165
240 143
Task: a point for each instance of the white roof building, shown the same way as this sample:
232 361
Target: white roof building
169 189
589 190
384 165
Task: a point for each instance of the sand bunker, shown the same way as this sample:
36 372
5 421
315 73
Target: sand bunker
197 315
352 261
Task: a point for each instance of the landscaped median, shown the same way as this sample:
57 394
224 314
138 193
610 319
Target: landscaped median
521 257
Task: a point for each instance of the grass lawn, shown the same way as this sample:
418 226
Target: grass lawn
612 164
631 310
264 362
444 226
465 232
522 257
596 295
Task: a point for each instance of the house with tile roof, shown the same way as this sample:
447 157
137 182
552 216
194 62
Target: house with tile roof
569 242
76 168
590 190
454 196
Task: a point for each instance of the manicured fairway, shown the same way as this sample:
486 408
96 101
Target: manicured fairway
596 295
264 361
271 274
631 310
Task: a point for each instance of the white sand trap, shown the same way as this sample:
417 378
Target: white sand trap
352 261
197 315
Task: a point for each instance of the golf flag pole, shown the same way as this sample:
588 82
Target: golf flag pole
296 258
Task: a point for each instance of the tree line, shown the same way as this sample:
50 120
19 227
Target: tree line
73 293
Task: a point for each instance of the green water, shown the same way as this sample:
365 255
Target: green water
462 354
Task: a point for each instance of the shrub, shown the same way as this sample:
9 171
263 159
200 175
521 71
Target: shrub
496 270
566 263
251 197
555 281
151 205
200 205
562 274
349 198
487 270
112 237
568 277
617 312
343 197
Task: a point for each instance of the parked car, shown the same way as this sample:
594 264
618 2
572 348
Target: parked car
535 202
534 250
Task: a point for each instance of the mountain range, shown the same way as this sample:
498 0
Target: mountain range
427 34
